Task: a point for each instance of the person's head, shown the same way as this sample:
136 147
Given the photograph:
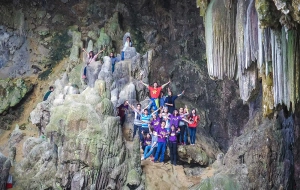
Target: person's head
145 111
126 103
175 112
111 54
148 135
180 110
51 88
163 124
166 109
138 106
173 127
160 114
91 54
161 94
128 39
170 93
194 111
154 116
155 84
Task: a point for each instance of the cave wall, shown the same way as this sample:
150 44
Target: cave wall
264 37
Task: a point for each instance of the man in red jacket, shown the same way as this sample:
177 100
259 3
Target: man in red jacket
154 94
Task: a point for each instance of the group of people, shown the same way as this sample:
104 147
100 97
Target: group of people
165 125
91 56
159 124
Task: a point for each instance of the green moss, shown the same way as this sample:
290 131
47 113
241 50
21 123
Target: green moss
219 182
267 13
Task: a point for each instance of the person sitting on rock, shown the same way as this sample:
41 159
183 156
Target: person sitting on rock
170 100
154 93
151 149
147 141
161 143
122 112
126 45
193 122
173 144
48 93
90 58
114 60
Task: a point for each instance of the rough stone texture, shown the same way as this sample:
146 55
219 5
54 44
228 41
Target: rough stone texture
12 92
5 165
258 159
83 146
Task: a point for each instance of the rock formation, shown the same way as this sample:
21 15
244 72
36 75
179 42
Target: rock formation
254 42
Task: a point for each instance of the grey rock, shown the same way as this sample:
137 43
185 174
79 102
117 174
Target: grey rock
5 165
129 52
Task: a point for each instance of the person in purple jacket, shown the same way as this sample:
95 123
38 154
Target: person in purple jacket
155 123
174 120
161 143
173 144
147 141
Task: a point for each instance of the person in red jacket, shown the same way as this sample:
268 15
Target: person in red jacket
154 94
193 122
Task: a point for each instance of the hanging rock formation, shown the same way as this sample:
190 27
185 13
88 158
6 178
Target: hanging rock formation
266 45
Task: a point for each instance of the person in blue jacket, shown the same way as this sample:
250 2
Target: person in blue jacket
114 60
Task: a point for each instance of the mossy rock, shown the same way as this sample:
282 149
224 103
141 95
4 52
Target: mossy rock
12 92
218 182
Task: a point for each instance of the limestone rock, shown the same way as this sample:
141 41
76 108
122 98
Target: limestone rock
193 154
129 52
5 165
43 30
82 133
13 91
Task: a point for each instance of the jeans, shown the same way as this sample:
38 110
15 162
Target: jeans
153 105
173 152
192 134
182 136
148 151
135 128
161 148
122 55
112 68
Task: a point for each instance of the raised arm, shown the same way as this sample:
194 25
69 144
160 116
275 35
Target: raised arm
99 53
147 85
181 93
155 111
165 84
147 106
84 51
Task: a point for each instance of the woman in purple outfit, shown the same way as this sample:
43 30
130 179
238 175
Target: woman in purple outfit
173 144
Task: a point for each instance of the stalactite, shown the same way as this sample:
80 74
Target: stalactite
260 45
221 46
